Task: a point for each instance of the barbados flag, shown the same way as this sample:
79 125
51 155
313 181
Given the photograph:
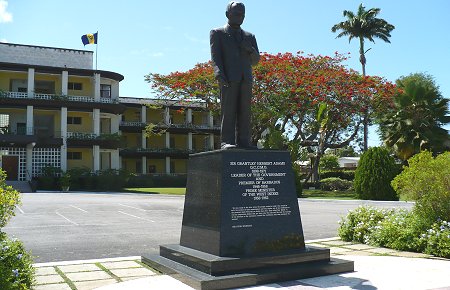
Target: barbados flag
90 38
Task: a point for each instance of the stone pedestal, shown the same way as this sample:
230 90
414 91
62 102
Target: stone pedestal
241 224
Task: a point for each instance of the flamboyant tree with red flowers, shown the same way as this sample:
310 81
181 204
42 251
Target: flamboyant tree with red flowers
314 102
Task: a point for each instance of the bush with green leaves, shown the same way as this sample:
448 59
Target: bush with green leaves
9 198
16 270
342 174
427 181
396 229
399 230
374 174
437 239
334 183
329 162
359 223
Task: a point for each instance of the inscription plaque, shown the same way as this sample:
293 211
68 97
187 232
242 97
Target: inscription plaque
241 203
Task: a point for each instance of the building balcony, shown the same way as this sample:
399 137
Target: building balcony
135 127
81 139
158 152
23 136
58 101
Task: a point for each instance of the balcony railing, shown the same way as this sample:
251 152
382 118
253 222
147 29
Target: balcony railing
132 124
93 136
176 125
54 97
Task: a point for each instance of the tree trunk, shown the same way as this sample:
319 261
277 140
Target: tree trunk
362 59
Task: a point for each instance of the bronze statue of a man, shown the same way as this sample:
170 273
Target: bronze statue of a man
233 53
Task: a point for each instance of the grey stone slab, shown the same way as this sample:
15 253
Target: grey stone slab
358 247
120 265
216 265
79 268
88 276
336 243
132 272
201 280
88 285
410 255
62 286
49 279
40 271
382 251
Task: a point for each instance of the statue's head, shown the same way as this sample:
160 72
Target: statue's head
235 13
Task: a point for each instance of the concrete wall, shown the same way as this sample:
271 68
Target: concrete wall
48 56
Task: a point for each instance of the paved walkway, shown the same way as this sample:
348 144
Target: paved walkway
375 268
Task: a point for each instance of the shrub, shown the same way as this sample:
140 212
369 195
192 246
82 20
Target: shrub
399 230
342 174
374 174
396 229
9 198
112 179
359 223
329 162
16 270
334 183
437 239
427 181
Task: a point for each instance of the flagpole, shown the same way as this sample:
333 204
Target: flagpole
96 52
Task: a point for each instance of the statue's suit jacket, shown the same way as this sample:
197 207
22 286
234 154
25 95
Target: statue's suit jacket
230 61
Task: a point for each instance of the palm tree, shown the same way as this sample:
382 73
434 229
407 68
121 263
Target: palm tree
364 25
415 123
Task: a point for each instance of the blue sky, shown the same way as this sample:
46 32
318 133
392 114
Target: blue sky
139 37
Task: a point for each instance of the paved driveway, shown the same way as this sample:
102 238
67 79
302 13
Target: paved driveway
72 226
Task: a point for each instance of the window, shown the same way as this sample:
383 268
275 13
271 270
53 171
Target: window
74 156
75 86
105 91
74 120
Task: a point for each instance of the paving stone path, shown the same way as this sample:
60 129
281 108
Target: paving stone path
92 274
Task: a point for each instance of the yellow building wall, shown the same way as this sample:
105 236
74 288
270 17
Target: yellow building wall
86 122
87 86
50 78
198 117
132 115
13 111
86 161
180 141
160 164
198 141
180 165
177 117
155 115
56 118
133 140
6 77
156 141
129 164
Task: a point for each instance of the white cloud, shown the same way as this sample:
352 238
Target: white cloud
3 40
195 39
157 54
5 16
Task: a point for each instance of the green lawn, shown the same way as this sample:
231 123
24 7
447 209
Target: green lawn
159 190
307 193
322 194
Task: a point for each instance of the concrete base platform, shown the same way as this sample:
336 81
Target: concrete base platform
205 271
